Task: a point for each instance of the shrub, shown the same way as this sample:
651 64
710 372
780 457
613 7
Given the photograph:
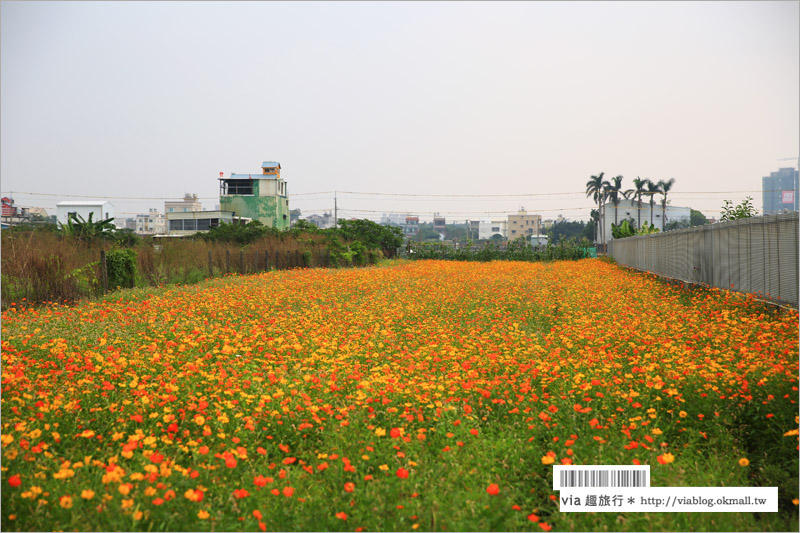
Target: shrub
121 268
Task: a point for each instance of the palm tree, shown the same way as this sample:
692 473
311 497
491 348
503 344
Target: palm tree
640 187
595 188
665 188
594 216
652 190
613 192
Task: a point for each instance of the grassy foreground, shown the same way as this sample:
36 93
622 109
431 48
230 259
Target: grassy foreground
429 395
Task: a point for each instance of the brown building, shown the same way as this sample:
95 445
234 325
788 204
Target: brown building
524 225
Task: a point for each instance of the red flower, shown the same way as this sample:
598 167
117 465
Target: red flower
402 473
341 516
240 493
260 481
349 487
493 489
288 491
157 458
15 480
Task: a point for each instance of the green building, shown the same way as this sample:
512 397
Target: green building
259 197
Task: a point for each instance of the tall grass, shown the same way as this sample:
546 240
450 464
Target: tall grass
40 267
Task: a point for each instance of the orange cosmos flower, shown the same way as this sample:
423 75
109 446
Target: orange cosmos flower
493 489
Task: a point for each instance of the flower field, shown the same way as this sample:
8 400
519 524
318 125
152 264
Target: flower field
429 395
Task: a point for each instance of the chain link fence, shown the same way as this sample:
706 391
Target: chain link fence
756 255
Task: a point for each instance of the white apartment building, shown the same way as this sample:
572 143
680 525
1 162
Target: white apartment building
487 229
153 223
100 210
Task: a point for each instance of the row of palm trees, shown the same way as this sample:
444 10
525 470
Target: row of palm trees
602 191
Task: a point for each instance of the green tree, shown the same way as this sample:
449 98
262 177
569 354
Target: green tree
596 188
665 186
640 186
374 236
89 230
743 210
652 189
613 192
697 218
566 230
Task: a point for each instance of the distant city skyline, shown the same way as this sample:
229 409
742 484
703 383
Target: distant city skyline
140 102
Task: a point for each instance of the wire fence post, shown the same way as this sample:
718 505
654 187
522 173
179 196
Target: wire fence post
227 261
103 271
241 262
210 265
266 260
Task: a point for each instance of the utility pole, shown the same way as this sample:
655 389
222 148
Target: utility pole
335 211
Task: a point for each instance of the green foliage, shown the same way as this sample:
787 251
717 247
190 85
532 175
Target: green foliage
127 238
89 230
358 253
743 210
374 236
121 267
567 230
697 218
516 250
626 229
303 226
86 278
241 234
677 224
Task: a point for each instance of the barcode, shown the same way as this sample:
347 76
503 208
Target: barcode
603 478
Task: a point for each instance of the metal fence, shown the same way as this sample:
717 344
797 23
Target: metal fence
754 255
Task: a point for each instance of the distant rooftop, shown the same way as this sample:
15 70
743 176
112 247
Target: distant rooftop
270 164
83 203
254 175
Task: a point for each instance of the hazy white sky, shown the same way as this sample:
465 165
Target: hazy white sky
154 99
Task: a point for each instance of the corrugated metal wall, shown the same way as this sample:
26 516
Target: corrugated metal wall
753 255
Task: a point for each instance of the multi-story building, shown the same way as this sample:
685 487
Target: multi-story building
780 191
393 219
488 229
323 221
100 210
523 225
189 203
153 223
190 222
440 226
411 227
629 209
261 197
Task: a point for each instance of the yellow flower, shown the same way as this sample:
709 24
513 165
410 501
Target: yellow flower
657 431
87 494
127 504
199 420
6 439
117 435
124 489
380 432
682 414
384 467
548 460
87 434
65 502
202 515
744 461
138 515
